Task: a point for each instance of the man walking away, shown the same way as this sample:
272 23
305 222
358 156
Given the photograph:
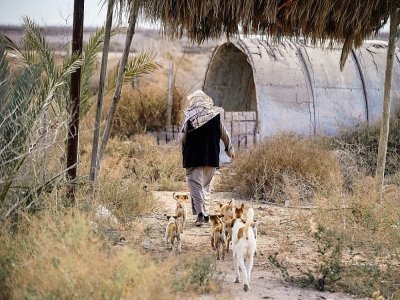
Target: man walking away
202 130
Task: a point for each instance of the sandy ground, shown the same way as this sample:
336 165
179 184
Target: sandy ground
277 232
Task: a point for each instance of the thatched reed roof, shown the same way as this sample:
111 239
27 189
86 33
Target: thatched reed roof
345 21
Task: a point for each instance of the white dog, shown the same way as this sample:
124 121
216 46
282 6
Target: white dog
243 246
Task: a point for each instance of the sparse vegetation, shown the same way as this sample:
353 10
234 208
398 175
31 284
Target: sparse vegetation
142 110
51 251
283 168
362 143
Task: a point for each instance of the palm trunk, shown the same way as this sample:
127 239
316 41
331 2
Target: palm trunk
384 131
73 128
104 59
118 88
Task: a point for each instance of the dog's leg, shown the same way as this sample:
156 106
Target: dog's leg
236 266
173 243
223 242
178 238
227 245
217 245
249 266
244 272
183 218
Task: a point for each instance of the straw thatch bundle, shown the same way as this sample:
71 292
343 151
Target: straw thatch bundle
346 21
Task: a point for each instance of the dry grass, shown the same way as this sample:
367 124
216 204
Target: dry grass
354 240
283 168
59 256
370 236
131 169
145 109
362 144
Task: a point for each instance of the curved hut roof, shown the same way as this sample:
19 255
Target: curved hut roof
298 87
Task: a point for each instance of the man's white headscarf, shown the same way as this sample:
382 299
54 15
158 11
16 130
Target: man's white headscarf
201 109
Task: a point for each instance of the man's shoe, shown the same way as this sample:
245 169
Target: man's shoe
199 220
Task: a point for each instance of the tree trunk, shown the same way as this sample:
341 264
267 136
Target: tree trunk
73 128
118 87
384 131
103 73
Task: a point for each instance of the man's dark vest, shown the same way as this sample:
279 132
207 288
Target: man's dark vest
201 147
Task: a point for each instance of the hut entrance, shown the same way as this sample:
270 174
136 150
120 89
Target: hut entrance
229 82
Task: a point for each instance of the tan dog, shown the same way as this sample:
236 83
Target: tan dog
180 210
238 213
218 235
173 232
227 209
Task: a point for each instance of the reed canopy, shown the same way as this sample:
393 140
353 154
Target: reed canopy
344 21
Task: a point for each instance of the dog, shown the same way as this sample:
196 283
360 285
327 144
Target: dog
173 232
218 235
228 218
227 209
180 210
244 245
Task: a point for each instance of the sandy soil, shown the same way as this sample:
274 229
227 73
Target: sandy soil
277 232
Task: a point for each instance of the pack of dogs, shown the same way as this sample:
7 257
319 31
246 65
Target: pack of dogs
233 225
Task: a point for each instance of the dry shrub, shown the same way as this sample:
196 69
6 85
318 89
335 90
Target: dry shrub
156 166
363 140
198 275
282 168
371 238
144 109
57 256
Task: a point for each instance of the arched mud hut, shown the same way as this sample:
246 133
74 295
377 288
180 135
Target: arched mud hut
297 88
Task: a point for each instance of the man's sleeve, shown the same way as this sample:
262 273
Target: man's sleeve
226 139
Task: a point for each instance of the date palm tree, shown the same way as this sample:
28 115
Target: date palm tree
27 93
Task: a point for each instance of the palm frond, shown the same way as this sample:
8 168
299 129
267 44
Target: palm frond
13 49
35 41
90 61
5 74
18 117
142 64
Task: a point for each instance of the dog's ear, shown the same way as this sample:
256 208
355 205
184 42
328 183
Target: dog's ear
185 197
220 204
242 206
230 202
168 217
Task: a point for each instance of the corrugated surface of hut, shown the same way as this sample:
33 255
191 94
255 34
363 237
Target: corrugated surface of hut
297 88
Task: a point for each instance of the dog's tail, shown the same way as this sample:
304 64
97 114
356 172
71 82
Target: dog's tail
249 221
173 196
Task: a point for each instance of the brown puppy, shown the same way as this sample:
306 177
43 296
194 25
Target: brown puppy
218 236
172 233
180 210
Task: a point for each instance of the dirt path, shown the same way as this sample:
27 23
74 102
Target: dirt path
276 232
